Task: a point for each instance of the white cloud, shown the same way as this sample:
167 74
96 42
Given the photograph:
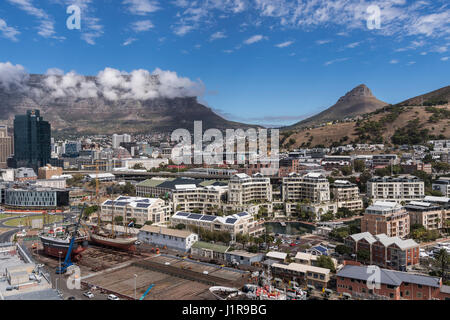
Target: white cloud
321 42
353 45
284 44
129 41
142 7
140 26
217 35
335 61
254 39
46 28
182 30
393 61
12 75
8 32
445 58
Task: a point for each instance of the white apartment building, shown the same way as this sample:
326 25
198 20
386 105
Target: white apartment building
243 189
142 209
312 186
239 223
442 185
398 189
346 195
189 198
164 237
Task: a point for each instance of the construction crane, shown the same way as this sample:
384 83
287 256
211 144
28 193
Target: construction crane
68 260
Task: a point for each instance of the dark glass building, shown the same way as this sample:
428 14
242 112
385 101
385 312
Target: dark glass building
32 145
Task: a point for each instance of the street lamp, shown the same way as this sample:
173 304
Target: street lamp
135 277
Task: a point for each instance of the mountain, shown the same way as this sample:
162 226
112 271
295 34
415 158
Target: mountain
359 100
98 115
438 96
408 122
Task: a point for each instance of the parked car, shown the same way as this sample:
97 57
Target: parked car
88 294
112 297
71 298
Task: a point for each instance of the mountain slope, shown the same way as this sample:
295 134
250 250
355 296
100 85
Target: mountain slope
98 115
358 101
434 97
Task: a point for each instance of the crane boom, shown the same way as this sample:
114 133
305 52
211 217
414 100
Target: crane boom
68 261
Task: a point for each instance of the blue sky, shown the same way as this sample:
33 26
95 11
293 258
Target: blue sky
269 62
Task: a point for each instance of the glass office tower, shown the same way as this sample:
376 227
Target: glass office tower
32 140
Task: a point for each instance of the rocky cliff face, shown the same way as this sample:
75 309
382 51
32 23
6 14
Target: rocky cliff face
99 115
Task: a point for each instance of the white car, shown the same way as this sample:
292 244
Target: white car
89 294
113 297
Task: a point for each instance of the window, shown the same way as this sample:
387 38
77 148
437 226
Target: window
419 294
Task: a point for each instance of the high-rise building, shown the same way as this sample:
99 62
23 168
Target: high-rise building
117 139
5 146
32 136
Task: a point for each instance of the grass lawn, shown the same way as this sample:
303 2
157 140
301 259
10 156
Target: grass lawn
3 216
23 221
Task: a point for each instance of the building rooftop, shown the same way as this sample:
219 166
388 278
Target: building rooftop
390 277
276 255
134 202
299 267
210 246
167 231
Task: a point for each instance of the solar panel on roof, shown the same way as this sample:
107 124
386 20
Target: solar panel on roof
120 203
109 202
195 216
143 205
208 218
183 214
230 220
142 200
123 198
241 214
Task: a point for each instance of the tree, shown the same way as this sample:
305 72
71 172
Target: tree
129 189
363 255
327 216
326 262
118 219
441 260
347 170
138 166
148 223
342 249
359 165
180 226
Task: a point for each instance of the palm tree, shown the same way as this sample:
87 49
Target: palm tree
442 260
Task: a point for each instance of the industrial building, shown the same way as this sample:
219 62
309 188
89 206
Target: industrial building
164 237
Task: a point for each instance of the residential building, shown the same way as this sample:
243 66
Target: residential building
386 217
32 145
384 251
52 183
164 237
49 171
394 285
6 146
346 194
141 209
313 187
239 223
442 185
190 198
384 160
243 189
278 256
331 162
311 275
411 166
432 217
399 189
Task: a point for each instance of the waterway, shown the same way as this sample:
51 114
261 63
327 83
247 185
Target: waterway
291 228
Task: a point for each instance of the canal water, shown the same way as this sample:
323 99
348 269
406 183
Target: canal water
291 228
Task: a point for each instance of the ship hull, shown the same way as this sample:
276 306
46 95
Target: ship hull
56 248
127 244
